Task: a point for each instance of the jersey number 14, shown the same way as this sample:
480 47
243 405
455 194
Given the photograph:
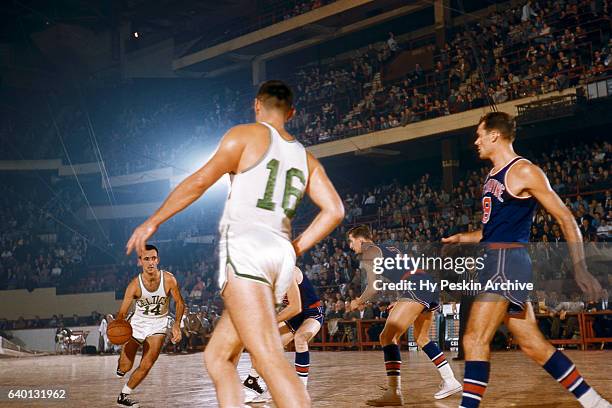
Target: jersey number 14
266 202
154 311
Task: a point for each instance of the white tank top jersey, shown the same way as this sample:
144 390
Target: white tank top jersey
267 194
152 304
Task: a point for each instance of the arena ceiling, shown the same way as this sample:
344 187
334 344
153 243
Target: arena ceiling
21 18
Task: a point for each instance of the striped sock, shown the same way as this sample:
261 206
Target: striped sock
439 359
393 365
564 371
302 365
475 383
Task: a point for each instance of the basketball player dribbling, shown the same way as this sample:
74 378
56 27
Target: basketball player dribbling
510 195
269 171
299 322
412 308
151 290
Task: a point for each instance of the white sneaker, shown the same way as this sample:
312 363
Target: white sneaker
602 403
263 397
448 388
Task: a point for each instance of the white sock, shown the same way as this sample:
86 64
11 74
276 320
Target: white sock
126 389
446 372
590 399
304 381
395 382
254 373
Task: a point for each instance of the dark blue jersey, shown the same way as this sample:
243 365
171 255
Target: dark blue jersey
308 294
505 217
391 270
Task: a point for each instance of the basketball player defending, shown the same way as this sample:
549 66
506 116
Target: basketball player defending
297 323
269 172
151 290
510 194
414 307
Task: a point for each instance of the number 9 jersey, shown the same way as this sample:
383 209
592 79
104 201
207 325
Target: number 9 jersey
256 224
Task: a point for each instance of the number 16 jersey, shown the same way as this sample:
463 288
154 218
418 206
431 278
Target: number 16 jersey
268 193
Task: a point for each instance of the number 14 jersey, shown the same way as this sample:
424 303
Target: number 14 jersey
268 193
152 304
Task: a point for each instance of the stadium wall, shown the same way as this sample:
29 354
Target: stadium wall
45 302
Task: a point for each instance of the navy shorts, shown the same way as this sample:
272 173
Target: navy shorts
511 265
428 298
310 313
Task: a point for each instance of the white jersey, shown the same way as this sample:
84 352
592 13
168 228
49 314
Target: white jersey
267 194
152 304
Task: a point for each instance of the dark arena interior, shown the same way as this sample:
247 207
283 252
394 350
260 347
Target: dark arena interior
420 112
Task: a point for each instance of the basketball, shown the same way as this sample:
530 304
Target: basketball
119 331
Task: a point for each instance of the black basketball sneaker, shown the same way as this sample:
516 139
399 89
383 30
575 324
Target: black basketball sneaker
254 392
124 400
119 372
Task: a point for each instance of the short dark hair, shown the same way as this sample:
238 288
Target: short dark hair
362 231
500 121
150 247
276 94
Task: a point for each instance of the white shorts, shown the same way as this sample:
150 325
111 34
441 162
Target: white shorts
259 255
143 327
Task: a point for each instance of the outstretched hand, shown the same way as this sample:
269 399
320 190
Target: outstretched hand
139 238
588 284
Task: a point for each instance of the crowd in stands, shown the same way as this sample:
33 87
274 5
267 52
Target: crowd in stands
509 55
400 214
533 49
521 51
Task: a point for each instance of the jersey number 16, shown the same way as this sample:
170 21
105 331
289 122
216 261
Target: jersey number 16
266 202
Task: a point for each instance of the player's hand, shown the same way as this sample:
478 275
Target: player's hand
588 284
453 239
354 304
176 334
139 237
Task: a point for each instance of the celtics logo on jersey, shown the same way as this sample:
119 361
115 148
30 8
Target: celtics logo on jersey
152 306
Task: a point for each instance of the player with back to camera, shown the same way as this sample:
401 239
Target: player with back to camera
269 172
414 307
511 192
151 290
299 322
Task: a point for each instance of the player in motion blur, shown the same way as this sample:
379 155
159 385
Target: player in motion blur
151 290
412 308
510 195
299 322
270 171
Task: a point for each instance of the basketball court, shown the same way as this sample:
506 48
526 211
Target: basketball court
338 379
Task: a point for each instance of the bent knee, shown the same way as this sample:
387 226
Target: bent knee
302 338
389 336
476 340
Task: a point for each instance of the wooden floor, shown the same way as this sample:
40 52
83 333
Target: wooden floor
338 379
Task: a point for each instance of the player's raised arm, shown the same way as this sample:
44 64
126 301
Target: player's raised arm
294 301
175 292
322 192
128 297
531 179
472 236
224 160
367 265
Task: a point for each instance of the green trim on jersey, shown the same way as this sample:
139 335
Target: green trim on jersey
240 275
